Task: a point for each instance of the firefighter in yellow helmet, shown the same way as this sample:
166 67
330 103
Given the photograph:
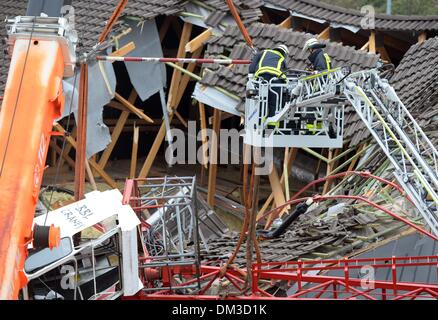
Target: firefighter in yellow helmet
269 64
318 58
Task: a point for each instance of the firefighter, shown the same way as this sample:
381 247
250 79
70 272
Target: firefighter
318 58
269 64
320 62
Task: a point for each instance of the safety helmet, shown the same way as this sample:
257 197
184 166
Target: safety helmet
313 43
283 48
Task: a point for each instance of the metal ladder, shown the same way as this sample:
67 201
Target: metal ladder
412 154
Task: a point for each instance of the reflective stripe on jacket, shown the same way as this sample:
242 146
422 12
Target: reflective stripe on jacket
321 61
270 62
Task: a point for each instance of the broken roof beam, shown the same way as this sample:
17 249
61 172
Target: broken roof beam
287 23
422 37
123 51
199 41
291 158
176 76
325 34
65 156
132 108
117 130
172 101
372 42
95 166
68 147
187 75
204 139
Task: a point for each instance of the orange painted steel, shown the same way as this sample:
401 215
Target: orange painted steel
33 99
239 23
81 140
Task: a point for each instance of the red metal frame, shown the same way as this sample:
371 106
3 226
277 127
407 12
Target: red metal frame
319 286
312 278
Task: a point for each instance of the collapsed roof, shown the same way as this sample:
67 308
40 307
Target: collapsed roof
415 81
416 77
343 16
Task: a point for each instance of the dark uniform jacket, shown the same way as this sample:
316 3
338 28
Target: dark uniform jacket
320 60
268 62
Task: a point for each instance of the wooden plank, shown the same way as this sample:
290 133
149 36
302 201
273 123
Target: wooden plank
171 103
183 121
384 54
422 37
325 34
353 163
330 166
123 51
277 190
116 132
114 138
287 23
68 147
66 157
176 77
372 42
203 134
212 172
116 105
134 152
395 43
265 205
198 41
292 156
154 150
186 78
132 108
93 163
90 175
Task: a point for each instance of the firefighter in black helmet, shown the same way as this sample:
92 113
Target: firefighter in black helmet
269 64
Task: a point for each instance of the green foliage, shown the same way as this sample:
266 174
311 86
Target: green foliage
406 7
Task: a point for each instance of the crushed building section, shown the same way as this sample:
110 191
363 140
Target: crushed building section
334 14
315 235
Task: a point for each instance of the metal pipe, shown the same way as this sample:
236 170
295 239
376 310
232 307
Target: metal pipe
177 60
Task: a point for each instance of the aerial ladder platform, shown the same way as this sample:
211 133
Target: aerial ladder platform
309 112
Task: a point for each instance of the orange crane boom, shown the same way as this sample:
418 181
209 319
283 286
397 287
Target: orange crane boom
33 99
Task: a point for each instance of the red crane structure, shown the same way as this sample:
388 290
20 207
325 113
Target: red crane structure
43 53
